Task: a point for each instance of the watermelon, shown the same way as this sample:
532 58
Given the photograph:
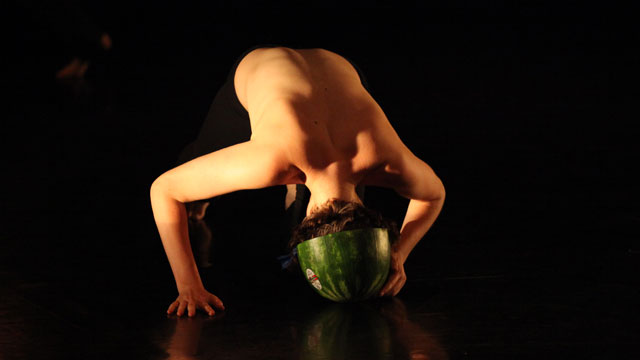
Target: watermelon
347 266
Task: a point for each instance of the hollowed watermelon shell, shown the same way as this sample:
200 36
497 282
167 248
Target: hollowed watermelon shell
347 266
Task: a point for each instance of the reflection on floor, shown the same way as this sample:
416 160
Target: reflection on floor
480 315
333 331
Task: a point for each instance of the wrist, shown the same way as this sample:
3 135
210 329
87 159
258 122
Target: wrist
399 253
189 286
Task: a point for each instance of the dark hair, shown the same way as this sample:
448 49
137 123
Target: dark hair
339 215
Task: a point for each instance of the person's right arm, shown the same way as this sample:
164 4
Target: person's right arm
419 183
249 165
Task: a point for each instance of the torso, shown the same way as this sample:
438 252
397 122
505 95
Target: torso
311 105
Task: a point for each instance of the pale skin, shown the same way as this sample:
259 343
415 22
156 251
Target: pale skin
312 123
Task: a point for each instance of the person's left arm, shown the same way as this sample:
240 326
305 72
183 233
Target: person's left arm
248 165
426 192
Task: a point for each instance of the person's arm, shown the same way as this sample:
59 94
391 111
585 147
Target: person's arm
426 193
249 165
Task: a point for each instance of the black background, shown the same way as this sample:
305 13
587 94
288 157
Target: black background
514 107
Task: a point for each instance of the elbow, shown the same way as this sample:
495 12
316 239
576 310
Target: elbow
158 188
441 196
443 192
162 187
438 192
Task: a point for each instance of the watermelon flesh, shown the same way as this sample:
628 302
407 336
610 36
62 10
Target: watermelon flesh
347 266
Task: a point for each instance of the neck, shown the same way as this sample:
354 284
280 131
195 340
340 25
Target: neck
327 189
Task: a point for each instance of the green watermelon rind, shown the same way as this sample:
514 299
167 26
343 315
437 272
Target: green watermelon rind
324 255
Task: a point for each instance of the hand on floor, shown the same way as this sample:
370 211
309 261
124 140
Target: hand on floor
191 300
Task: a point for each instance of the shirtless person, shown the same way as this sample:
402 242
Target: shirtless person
312 122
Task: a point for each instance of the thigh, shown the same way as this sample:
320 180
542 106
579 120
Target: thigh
227 123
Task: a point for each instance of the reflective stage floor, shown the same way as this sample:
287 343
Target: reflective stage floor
472 303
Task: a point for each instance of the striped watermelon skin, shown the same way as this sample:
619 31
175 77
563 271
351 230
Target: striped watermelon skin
347 266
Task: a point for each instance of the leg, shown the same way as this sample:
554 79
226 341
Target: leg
290 197
196 210
226 124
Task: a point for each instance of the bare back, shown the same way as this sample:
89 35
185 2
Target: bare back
312 122
312 105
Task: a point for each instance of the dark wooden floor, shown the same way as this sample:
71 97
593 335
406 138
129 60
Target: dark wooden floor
535 255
